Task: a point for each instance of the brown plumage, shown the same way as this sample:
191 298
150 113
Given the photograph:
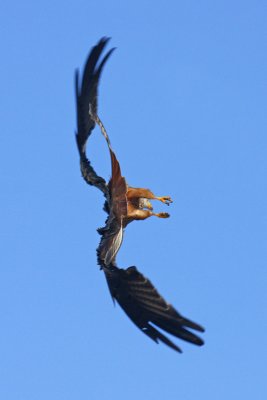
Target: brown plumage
124 204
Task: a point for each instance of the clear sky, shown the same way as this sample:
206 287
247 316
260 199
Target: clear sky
184 101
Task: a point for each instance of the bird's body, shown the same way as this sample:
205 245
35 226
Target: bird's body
124 204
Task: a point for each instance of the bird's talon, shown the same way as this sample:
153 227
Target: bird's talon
163 215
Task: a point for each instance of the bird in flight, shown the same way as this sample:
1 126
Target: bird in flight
123 204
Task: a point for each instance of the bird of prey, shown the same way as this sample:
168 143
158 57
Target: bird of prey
124 204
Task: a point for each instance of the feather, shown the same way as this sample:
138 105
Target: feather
110 244
147 308
87 93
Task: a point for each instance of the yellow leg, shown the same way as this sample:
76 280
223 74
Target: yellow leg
138 214
165 199
161 215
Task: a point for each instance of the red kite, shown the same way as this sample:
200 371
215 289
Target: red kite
124 204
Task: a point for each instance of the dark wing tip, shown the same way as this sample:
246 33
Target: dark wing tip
86 91
157 336
76 82
104 39
147 308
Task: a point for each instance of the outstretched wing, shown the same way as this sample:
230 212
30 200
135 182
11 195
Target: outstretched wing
147 308
86 94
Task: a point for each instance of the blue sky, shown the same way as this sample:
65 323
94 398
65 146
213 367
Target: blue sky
184 101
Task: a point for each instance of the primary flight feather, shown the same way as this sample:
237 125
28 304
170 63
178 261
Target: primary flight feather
124 204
